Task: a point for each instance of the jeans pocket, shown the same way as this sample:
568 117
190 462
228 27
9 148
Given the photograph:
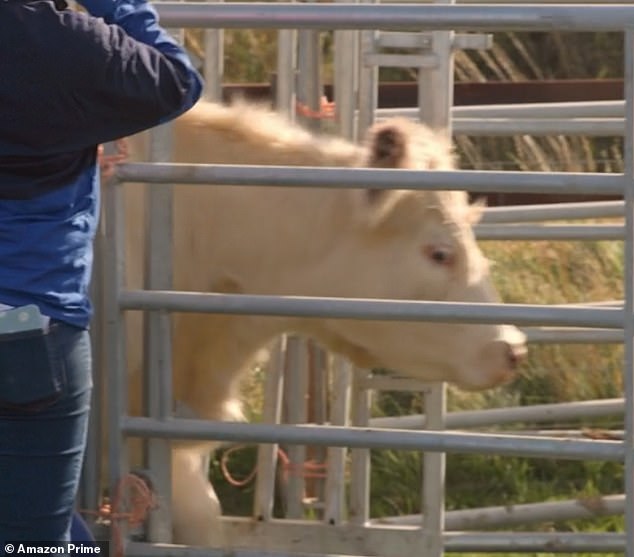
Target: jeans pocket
31 378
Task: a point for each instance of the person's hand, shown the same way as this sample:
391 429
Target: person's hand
107 163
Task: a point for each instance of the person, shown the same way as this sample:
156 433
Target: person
70 81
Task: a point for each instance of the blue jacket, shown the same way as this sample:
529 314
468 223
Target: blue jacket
68 82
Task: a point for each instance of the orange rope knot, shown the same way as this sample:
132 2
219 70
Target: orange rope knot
132 501
327 110
107 162
307 469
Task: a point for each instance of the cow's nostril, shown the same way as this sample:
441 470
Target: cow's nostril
515 355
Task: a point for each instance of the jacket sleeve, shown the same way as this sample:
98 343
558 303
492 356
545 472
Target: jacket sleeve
126 73
140 21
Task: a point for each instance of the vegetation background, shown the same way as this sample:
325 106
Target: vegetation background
532 272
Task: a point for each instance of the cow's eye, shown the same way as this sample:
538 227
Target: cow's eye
439 254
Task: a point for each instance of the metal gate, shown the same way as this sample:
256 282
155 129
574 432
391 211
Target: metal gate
362 538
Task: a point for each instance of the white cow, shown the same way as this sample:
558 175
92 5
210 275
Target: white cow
313 242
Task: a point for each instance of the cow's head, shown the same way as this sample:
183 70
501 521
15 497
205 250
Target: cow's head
417 245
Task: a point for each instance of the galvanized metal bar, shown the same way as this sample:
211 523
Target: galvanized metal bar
89 494
435 100
558 110
628 371
267 454
285 77
506 2
521 515
387 541
538 413
157 372
318 403
358 437
589 433
435 81
553 211
140 549
485 126
595 127
309 89
388 310
586 109
346 79
295 412
368 98
572 115
565 183
335 511
526 542
114 349
284 15
565 335
213 63
420 61
550 232
359 505
434 467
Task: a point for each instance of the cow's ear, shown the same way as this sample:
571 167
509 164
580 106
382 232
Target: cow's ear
390 211
387 145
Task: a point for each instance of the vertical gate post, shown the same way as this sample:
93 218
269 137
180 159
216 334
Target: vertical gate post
309 88
115 353
214 63
628 370
340 410
285 83
267 454
158 350
295 393
345 78
368 82
360 458
435 100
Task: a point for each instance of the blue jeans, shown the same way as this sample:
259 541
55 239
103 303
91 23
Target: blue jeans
45 388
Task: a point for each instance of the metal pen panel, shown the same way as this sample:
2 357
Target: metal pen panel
397 17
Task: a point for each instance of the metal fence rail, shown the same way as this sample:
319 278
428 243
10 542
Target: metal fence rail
520 515
485 181
602 118
467 419
398 17
440 441
558 211
387 310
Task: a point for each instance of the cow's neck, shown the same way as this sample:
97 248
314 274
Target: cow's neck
212 354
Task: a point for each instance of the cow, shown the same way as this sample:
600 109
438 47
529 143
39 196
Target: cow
334 242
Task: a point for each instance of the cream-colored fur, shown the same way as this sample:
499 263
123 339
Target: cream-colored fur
315 242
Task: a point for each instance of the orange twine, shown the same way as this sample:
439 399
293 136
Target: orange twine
326 110
107 162
133 498
132 501
308 469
